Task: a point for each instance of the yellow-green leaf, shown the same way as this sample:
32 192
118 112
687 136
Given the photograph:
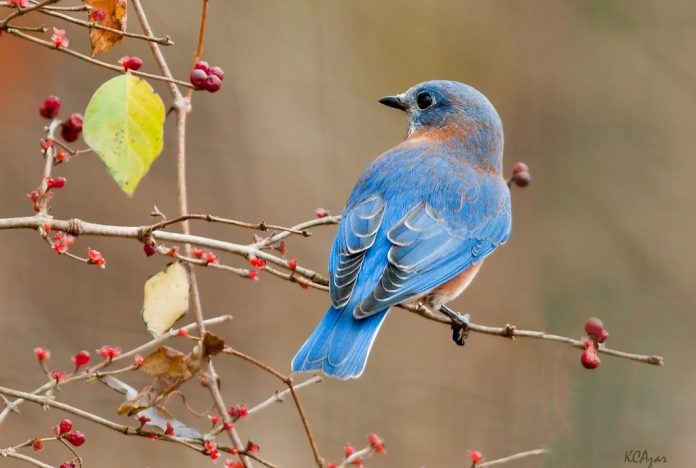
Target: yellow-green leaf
123 125
166 298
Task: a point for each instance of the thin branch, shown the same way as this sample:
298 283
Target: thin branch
24 11
26 458
515 457
49 154
86 58
262 226
84 228
363 453
201 37
65 8
94 371
94 25
288 381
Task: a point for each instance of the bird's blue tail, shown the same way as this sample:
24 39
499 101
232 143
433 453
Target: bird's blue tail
340 344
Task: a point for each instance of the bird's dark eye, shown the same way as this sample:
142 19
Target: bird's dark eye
424 100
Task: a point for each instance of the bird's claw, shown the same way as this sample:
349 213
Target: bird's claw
460 324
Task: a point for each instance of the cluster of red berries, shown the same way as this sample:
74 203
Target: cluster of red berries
64 431
596 334
70 127
520 175
206 255
109 352
131 63
239 411
206 77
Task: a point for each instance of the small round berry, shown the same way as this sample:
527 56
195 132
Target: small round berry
50 107
213 83
589 357
71 128
594 327
604 336
41 353
475 456
520 167
65 426
521 179
198 78
131 63
76 438
201 65
80 359
67 464
217 71
150 248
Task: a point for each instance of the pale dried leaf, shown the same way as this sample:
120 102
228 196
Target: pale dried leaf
166 298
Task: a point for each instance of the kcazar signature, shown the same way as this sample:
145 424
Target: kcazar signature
642 457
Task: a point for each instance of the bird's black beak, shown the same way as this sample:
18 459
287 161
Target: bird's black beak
393 101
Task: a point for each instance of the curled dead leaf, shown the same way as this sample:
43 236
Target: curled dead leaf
109 13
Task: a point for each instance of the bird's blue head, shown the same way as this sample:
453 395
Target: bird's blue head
455 114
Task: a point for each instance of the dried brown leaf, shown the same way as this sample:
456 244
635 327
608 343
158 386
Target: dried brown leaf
114 16
212 344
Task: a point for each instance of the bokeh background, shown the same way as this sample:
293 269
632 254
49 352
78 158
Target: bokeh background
597 96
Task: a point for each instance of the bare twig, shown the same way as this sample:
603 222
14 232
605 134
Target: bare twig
262 226
288 381
94 25
86 58
23 11
21 456
201 38
511 458
362 453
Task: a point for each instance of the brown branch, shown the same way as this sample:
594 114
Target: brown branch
201 37
515 457
94 370
49 154
23 11
288 381
262 226
86 58
94 25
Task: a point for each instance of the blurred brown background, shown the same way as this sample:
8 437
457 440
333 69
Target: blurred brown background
596 96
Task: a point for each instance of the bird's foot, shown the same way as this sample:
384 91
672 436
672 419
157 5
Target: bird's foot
460 324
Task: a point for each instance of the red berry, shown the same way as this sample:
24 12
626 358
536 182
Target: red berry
348 449
594 327
520 174
209 257
80 359
253 275
65 426
520 167
37 444
589 357
59 38
376 443
50 107
67 464
227 426
150 248
258 262
321 212
281 248
182 332
97 14
202 65
57 182
292 264
604 336
213 83
198 78
253 447
109 352
170 429
96 258
71 128
217 71
475 456
58 376
76 438
130 63
138 359
143 420
42 354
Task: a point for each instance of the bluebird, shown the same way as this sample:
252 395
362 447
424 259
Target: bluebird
418 224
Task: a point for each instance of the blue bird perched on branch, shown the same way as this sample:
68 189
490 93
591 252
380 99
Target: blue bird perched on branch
418 224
